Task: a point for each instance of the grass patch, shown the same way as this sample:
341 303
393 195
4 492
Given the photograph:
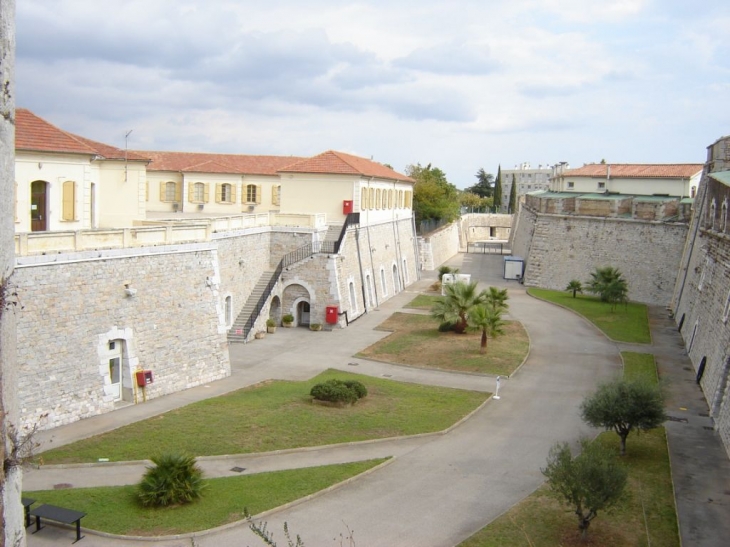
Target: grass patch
115 509
639 366
541 520
548 523
417 341
628 323
275 416
422 302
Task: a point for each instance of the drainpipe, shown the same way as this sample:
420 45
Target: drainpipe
359 261
396 242
370 249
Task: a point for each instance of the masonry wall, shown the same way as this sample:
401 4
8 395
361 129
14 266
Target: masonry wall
559 249
701 305
483 227
439 246
74 307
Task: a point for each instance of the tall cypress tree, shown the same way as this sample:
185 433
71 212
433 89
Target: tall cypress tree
498 190
513 195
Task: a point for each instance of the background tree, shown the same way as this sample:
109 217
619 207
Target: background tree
591 482
498 190
484 187
496 297
608 282
459 298
470 200
512 208
575 286
434 197
624 406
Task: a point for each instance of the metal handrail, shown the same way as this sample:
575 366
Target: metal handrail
297 255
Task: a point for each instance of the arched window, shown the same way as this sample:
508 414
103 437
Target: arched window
353 298
723 217
711 215
225 193
253 193
170 191
382 281
229 311
199 193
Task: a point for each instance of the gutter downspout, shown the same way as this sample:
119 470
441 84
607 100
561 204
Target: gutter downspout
370 248
359 261
396 242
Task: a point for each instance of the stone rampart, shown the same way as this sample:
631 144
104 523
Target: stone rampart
437 247
560 248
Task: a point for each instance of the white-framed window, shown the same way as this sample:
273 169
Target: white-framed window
571 184
229 311
369 286
382 281
353 297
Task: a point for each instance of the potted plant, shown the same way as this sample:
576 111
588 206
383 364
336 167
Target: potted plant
270 326
315 326
287 320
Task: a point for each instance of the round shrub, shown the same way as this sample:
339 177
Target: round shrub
339 391
358 387
175 480
446 326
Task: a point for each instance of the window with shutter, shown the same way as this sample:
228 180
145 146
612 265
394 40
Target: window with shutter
69 200
250 193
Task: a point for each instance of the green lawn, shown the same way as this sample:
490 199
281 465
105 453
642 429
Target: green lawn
416 341
628 323
275 416
115 509
541 520
423 302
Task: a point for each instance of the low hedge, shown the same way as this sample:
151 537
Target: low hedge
339 391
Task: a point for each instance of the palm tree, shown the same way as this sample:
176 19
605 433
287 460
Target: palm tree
495 296
575 286
488 319
609 283
454 306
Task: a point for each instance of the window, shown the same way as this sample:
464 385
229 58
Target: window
229 311
400 199
371 201
711 218
225 193
353 298
170 191
405 272
363 199
276 194
723 216
390 199
378 199
571 184
198 193
382 282
601 185
69 200
253 193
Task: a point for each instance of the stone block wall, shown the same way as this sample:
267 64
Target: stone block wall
559 249
483 227
438 247
76 305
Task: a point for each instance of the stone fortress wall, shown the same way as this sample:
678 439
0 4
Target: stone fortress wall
701 303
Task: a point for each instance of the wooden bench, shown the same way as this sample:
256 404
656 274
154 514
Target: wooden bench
59 514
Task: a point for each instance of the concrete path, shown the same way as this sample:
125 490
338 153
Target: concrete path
439 489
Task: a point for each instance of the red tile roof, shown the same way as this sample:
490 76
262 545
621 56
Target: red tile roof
195 162
36 134
636 170
332 162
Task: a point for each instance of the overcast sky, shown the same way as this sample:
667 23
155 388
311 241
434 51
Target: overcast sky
459 84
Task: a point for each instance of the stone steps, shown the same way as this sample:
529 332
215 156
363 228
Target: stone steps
248 309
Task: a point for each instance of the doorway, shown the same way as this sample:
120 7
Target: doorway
303 314
39 206
115 368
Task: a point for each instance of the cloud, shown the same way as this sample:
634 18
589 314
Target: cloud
450 58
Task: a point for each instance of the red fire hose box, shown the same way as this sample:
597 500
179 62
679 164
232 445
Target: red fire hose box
144 377
347 207
331 315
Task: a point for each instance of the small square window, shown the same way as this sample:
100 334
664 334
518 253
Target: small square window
571 185
601 185
112 345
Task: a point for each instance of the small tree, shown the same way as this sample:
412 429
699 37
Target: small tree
498 190
575 286
487 318
496 297
608 282
176 479
454 306
624 406
590 482
512 208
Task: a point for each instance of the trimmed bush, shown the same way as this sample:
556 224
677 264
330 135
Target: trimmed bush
338 391
358 387
175 480
446 326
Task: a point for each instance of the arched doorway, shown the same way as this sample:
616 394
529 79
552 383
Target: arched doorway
275 310
303 314
39 206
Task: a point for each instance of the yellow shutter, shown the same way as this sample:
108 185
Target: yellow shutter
274 195
69 200
218 192
258 193
162 190
147 190
178 192
233 193
191 192
206 192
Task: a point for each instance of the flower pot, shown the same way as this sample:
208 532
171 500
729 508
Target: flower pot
271 330
259 335
287 325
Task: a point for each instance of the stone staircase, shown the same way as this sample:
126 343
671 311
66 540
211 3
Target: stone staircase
238 333
333 232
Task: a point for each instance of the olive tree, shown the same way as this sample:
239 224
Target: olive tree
591 482
624 406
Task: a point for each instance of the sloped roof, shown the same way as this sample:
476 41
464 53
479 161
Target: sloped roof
197 162
33 133
636 170
332 162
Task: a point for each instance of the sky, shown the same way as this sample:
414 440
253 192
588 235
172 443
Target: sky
459 84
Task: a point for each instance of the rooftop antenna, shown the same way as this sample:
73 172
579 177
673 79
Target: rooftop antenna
126 148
